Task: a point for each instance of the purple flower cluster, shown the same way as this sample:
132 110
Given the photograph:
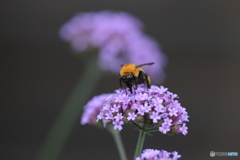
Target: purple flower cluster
119 38
154 154
154 109
92 109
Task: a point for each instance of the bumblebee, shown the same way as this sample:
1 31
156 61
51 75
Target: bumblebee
132 74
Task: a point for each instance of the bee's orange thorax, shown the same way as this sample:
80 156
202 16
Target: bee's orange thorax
127 69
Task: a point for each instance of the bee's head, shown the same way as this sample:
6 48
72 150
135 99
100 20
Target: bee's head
127 78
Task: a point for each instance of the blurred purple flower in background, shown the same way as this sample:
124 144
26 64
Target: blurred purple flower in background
154 154
119 38
153 109
92 109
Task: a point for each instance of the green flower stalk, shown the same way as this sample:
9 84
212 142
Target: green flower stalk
68 115
140 143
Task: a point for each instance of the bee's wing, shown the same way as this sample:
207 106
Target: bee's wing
138 66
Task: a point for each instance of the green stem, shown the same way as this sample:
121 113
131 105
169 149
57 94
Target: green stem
69 114
119 144
140 144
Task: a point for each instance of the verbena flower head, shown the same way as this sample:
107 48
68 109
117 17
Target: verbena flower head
92 109
154 154
119 38
154 109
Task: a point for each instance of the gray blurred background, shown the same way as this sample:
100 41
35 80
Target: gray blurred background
38 72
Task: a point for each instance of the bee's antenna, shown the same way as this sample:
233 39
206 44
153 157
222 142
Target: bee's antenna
144 64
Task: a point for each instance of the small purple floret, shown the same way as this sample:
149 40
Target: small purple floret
131 116
184 129
117 125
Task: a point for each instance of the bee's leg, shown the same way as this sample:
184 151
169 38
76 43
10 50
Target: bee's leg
135 81
120 83
145 79
129 85
148 80
141 77
130 88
